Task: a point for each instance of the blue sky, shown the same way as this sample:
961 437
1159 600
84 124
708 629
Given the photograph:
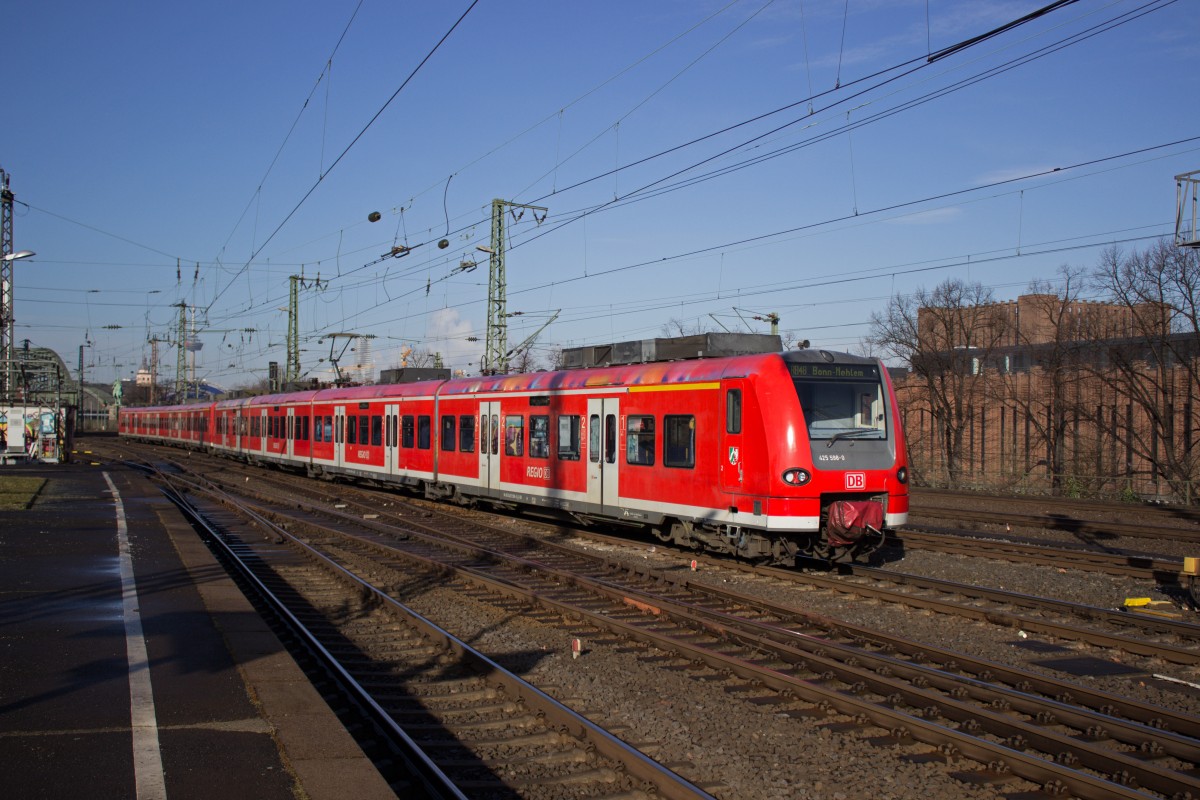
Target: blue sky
701 162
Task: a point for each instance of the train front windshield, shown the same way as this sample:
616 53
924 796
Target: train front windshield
841 401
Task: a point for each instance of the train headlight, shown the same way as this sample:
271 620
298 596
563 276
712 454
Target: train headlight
797 477
902 474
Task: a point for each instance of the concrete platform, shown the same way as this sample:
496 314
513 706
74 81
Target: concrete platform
225 713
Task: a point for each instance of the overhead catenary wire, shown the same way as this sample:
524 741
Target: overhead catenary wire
347 149
358 283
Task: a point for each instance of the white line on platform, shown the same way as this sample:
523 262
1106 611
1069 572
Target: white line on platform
147 758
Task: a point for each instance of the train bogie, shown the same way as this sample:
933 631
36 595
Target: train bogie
767 457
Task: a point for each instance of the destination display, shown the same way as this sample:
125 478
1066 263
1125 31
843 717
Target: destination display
842 372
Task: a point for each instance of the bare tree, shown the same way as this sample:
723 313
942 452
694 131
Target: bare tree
947 336
1041 376
681 327
522 361
1152 358
411 357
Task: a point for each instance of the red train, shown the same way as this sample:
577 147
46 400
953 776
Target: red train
764 456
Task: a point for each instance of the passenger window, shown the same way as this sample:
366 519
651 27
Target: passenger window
539 436
364 429
328 428
483 433
610 438
466 433
733 411
495 434
514 433
568 437
376 430
448 437
639 440
679 441
352 432
424 426
407 430
594 438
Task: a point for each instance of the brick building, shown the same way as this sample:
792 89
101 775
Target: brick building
1042 394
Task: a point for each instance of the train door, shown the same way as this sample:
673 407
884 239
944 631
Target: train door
289 433
731 455
602 451
489 445
339 435
391 437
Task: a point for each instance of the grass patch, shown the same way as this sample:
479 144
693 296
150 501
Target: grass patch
17 493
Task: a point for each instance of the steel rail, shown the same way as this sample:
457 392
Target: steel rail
1016 733
971 543
1057 522
644 769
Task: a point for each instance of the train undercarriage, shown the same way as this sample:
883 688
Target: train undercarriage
850 530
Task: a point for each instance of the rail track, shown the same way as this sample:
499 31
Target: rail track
1013 723
1075 519
1160 570
462 725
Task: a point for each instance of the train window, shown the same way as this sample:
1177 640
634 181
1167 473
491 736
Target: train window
733 411
466 433
610 438
568 437
424 425
841 408
514 435
304 427
376 430
256 426
328 428
449 437
352 431
495 434
539 436
407 430
679 440
594 438
483 433
364 429
639 440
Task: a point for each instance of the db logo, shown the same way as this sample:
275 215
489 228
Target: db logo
856 480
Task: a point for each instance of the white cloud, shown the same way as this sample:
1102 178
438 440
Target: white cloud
447 334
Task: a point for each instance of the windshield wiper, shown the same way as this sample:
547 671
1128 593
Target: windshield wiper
849 433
